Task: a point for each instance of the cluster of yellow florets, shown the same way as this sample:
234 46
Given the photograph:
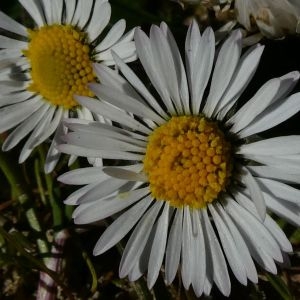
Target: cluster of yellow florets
188 161
60 64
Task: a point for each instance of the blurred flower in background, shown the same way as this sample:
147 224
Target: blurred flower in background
259 18
273 18
208 12
42 68
184 161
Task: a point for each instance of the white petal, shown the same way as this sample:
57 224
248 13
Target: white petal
254 231
243 13
165 64
232 253
99 19
9 86
51 128
276 114
70 9
83 176
73 198
141 264
9 43
287 164
199 255
137 272
35 11
174 247
138 85
53 154
15 98
105 188
39 130
105 143
11 25
144 51
94 153
128 36
280 190
125 174
255 192
207 286
138 239
256 105
121 226
240 244
199 52
73 158
112 113
226 63
125 102
12 115
112 36
289 212
220 272
107 131
124 50
186 254
282 145
47 8
85 9
112 79
24 128
278 235
288 82
57 11
178 64
12 60
260 255
274 173
244 72
101 209
158 247
4 54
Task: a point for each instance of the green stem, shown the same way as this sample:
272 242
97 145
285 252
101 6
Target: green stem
39 181
12 172
92 271
55 205
38 265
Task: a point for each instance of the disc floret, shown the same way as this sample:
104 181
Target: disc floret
188 161
61 65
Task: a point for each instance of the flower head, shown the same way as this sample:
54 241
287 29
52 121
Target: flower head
45 66
187 161
273 18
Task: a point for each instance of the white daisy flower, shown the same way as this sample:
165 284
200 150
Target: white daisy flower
192 186
273 18
45 66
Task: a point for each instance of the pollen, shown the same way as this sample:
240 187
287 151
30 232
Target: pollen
61 65
188 161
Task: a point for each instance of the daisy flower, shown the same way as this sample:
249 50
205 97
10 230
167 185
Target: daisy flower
42 68
188 180
273 18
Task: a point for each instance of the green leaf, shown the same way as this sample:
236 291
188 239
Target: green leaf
295 237
22 240
280 286
92 271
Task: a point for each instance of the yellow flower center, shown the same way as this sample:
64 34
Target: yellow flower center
60 64
188 161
